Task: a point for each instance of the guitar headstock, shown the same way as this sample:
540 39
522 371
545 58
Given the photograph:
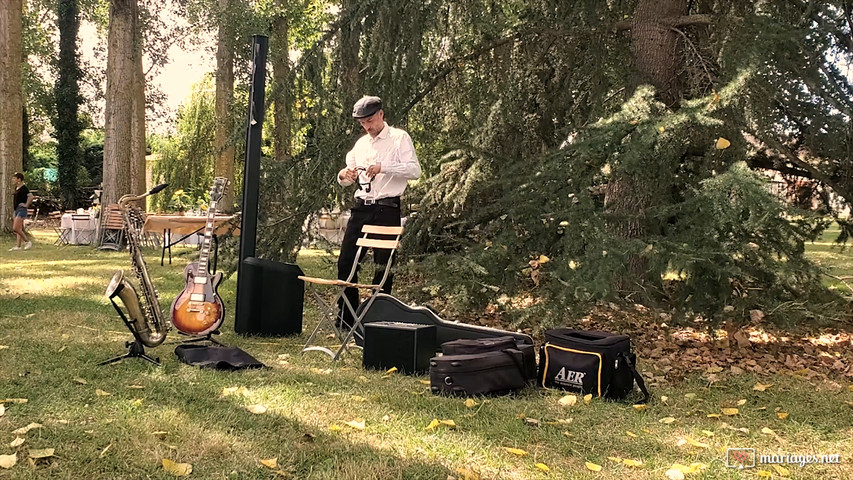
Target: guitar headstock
217 190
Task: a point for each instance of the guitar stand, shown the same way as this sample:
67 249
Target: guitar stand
136 349
205 338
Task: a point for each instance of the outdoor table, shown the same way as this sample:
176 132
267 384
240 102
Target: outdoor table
185 226
81 227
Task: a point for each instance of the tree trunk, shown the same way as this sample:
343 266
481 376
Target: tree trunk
11 104
350 55
137 142
223 144
654 47
67 93
119 101
279 54
656 61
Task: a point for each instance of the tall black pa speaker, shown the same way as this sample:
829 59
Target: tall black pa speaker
271 298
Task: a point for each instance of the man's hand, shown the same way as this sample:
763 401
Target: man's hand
349 174
373 170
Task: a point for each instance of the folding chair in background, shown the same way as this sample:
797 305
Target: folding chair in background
329 314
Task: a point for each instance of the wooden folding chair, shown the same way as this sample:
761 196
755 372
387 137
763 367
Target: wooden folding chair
112 228
329 313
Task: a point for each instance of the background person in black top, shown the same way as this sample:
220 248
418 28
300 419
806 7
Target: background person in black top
23 200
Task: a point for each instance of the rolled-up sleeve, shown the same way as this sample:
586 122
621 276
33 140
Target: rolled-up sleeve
406 164
350 161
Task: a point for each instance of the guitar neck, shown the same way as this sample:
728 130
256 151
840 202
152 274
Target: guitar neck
208 236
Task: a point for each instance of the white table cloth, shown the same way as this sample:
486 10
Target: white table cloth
82 229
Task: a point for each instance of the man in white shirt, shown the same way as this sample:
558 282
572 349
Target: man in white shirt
381 162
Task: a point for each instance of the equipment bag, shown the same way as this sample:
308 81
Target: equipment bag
589 362
477 374
496 344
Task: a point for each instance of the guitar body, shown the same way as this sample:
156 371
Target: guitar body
198 310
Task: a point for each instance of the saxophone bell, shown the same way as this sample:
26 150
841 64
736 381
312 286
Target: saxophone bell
122 288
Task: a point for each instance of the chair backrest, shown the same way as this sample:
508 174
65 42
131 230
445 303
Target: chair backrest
365 241
113 219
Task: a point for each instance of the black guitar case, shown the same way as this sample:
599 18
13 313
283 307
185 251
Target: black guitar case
386 308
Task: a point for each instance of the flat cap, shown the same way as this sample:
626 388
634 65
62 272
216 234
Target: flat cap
366 106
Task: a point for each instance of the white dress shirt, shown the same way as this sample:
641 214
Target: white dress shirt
393 150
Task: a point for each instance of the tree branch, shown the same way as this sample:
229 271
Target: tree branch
673 22
845 40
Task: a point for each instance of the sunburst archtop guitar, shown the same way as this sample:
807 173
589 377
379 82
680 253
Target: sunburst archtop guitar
199 310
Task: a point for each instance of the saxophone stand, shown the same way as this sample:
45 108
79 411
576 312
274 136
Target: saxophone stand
136 349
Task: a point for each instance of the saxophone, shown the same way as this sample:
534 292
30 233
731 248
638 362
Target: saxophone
146 320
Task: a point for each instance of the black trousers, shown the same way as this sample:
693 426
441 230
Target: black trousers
362 215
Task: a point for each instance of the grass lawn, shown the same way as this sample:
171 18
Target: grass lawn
121 421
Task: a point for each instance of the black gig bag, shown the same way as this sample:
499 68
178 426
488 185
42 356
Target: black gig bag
495 344
477 374
589 362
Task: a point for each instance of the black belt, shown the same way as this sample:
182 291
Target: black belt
393 202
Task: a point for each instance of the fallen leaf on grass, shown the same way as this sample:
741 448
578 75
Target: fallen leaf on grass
568 400
8 461
689 396
17 442
708 433
102 393
782 471
714 415
104 451
256 409
391 370
357 398
640 406
161 435
41 453
767 431
321 371
467 474
764 474
632 463
356 424
587 398
730 411
270 463
2 410
4 347
714 369
470 403
425 382
631 434
593 467
543 467
335 427
177 469
136 387
741 402
516 451
664 398
234 391
674 474
782 415
14 400
24 430
667 420
79 380
760 387
696 443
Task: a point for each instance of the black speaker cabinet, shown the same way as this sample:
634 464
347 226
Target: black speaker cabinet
406 346
270 298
